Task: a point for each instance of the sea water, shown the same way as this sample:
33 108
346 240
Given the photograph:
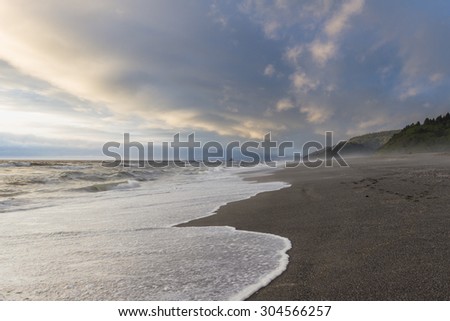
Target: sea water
79 231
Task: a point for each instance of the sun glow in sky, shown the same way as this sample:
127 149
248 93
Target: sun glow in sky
86 72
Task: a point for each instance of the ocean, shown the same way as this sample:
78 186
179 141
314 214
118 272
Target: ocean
80 231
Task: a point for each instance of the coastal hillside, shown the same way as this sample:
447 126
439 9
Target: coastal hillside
433 135
363 145
368 143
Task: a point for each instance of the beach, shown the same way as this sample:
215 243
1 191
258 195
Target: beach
376 230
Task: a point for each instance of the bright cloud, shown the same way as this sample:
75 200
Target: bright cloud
284 104
301 82
336 24
322 51
316 114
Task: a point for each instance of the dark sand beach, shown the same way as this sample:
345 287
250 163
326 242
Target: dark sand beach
378 230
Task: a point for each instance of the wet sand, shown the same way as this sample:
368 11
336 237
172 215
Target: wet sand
378 230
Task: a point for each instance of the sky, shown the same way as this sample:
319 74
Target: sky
74 75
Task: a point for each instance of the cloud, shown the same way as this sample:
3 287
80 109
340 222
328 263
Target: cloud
322 51
293 54
269 70
302 83
337 23
271 28
284 104
366 125
437 77
324 47
34 107
410 92
146 62
217 16
316 114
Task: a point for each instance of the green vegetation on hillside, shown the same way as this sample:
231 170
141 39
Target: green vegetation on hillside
431 136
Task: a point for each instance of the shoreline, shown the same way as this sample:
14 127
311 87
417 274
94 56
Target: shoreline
378 230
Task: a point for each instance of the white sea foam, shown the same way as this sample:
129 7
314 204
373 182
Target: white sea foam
120 244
